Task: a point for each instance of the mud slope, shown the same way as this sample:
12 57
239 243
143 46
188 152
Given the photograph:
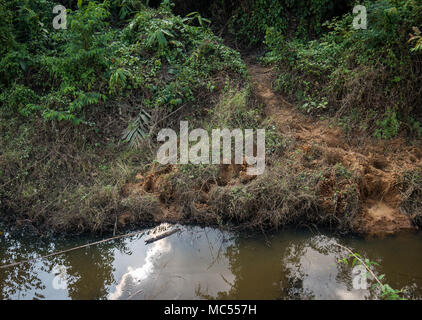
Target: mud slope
364 198
379 163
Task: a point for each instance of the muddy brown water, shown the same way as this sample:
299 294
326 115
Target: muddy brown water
206 263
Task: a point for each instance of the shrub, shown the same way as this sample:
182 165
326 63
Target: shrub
369 71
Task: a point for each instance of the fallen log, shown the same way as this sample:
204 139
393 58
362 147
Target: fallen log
161 236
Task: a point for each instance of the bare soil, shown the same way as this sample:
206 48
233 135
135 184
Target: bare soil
380 164
377 167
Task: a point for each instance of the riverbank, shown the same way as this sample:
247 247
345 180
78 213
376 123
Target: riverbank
321 178
315 176
79 135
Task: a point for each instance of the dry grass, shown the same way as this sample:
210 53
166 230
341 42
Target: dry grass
411 190
272 200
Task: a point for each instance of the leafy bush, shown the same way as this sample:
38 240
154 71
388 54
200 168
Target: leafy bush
162 57
388 127
373 71
252 18
69 97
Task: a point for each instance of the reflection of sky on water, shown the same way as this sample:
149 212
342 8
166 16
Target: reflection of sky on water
139 274
316 264
176 268
206 263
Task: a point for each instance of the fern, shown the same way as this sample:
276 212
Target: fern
195 15
118 80
137 129
157 39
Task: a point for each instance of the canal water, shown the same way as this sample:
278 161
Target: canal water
206 263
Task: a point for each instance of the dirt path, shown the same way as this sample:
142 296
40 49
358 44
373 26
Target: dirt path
357 180
380 164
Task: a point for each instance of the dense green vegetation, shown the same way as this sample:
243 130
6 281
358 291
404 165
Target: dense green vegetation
80 108
300 19
156 61
70 98
369 79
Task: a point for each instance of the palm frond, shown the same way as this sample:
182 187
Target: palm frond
137 130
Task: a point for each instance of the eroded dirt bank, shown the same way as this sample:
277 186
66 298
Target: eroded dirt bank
379 165
322 177
316 176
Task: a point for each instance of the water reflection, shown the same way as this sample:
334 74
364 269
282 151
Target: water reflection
205 263
178 267
312 271
133 277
